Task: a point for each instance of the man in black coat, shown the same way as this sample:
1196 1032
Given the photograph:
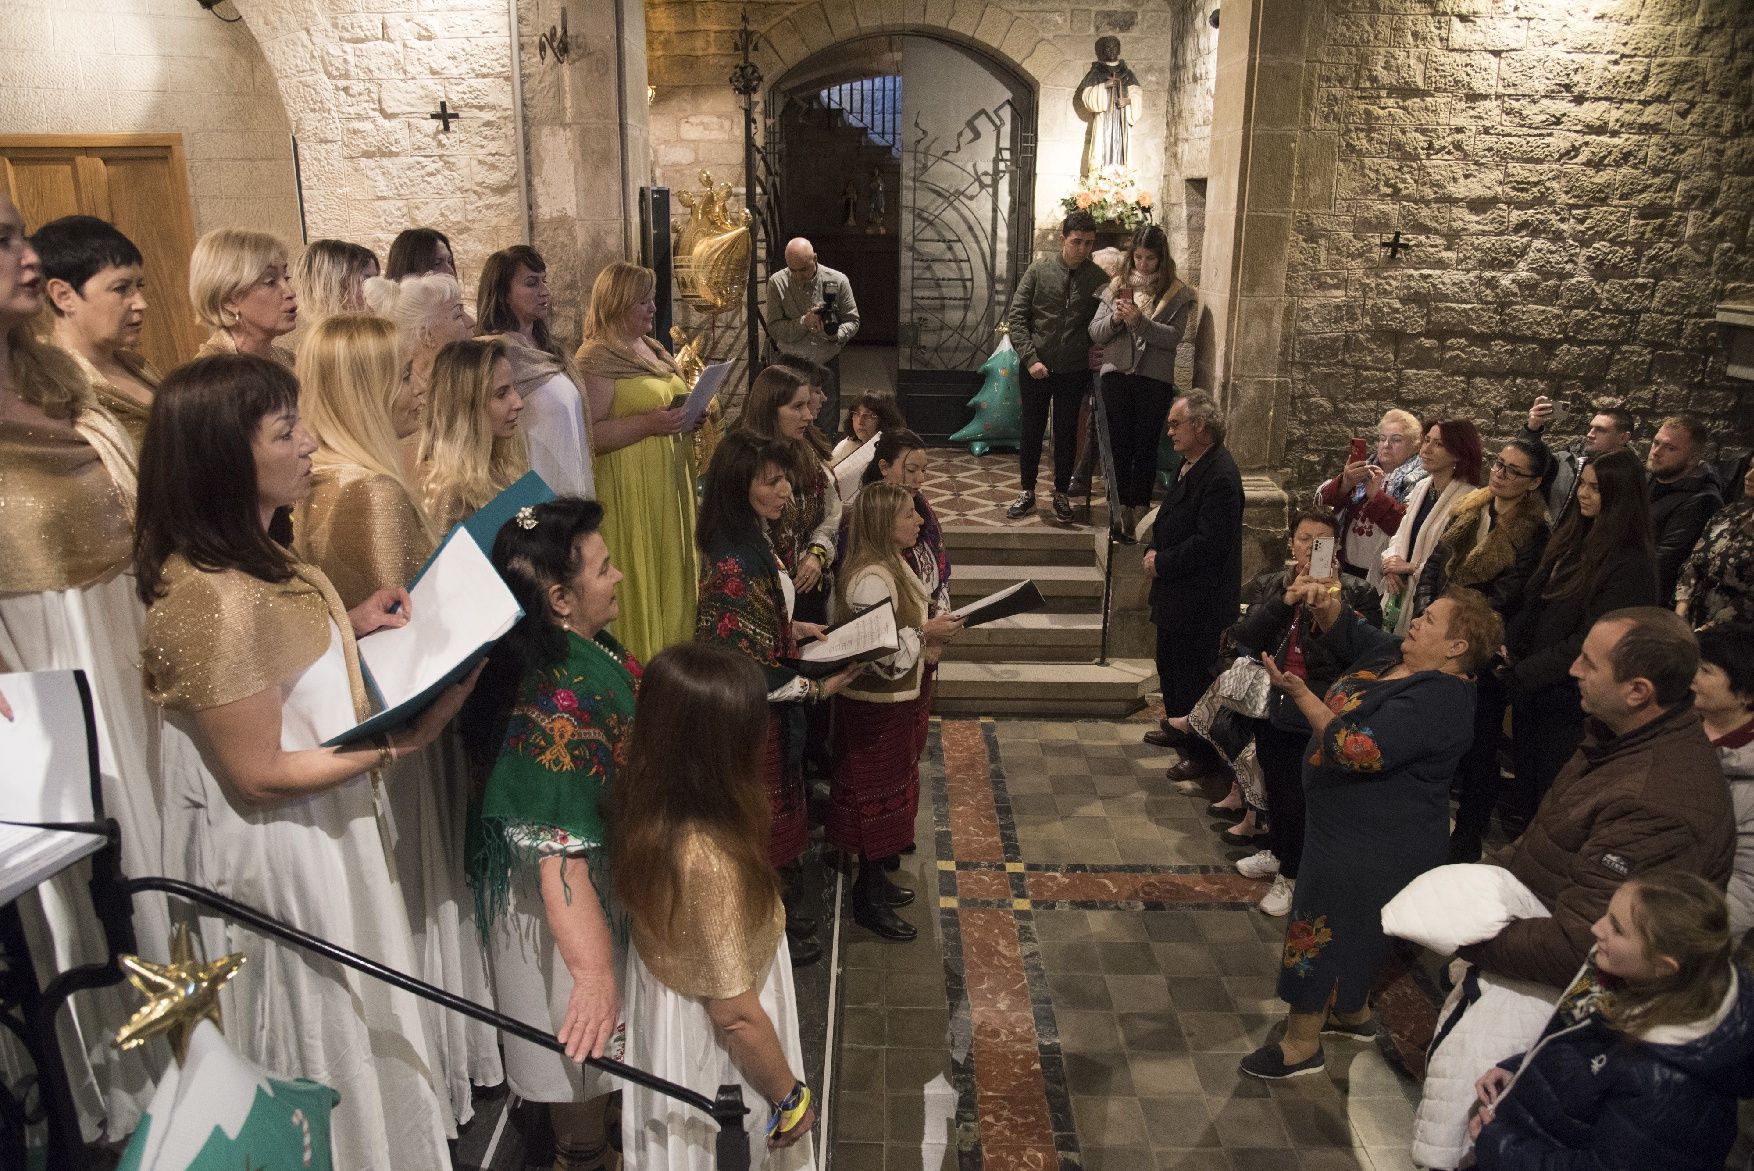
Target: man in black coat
1195 559
1684 493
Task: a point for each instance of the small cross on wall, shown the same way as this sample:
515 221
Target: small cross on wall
1394 246
446 116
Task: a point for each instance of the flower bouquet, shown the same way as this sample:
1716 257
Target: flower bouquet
1112 194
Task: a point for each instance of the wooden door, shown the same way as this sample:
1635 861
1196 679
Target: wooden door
139 182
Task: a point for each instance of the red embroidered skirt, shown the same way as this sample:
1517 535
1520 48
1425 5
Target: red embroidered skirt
785 796
928 682
876 787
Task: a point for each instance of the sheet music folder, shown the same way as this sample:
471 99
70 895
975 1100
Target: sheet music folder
461 608
869 634
1021 598
50 778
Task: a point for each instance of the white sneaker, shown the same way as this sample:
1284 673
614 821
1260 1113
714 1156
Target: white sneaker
1277 902
1258 865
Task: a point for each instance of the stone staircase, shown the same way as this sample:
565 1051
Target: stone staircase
1042 663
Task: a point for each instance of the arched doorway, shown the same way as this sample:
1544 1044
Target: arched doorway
909 160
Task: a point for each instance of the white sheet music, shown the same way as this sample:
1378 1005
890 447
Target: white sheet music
701 397
872 631
29 856
47 775
851 469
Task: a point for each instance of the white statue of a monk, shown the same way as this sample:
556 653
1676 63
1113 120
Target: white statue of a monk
1110 95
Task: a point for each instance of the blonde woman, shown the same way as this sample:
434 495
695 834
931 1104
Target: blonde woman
331 278
361 527
471 444
514 305
242 288
645 478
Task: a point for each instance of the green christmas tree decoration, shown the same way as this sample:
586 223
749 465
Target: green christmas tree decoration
998 407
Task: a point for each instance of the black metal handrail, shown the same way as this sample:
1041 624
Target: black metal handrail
1106 457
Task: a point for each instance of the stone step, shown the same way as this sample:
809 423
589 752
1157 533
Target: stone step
1069 690
1022 545
1065 588
1038 637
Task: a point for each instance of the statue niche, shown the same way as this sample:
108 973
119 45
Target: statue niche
1109 96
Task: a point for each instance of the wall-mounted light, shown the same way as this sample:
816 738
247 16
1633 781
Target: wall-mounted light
210 5
555 41
1214 18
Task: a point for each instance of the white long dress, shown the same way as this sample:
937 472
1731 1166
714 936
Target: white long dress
670 1035
319 863
560 446
96 628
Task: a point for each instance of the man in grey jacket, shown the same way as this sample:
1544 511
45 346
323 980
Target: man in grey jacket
812 314
1050 324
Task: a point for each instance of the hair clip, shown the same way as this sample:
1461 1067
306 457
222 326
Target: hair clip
526 517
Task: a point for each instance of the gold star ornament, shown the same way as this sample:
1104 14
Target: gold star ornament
178 995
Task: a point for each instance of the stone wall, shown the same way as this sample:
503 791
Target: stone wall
157 67
1191 72
1576 181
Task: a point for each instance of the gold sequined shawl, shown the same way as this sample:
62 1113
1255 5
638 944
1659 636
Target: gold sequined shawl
221 342
717 947
214 638
128 411
361 529
64 520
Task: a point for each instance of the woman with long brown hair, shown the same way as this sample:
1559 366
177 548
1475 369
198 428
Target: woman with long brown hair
513 305
779 410
709 982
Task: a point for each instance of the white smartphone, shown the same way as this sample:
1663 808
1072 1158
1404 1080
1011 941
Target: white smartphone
1321 559
1561 412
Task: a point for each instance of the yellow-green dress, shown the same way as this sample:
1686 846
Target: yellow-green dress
647 492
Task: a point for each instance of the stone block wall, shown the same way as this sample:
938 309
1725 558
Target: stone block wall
1576 182
157 67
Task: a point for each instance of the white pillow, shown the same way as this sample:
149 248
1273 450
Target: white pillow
1453 906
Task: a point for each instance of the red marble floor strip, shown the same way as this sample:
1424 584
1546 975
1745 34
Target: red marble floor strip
1111 886
1011 1098
968 783
983 884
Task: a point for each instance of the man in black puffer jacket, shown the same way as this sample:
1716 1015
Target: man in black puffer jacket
1684 493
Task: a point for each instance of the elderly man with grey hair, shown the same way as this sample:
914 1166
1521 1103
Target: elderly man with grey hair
811 314
1195 565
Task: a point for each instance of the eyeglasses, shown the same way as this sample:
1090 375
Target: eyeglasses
1514 473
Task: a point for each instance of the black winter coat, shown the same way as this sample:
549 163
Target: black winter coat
1546 634
1266 627
1198 540
1591 1099
1678 513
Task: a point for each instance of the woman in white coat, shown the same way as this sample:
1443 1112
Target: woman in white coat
1452 456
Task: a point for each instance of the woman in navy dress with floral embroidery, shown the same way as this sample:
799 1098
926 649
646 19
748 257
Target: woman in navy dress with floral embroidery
1383 748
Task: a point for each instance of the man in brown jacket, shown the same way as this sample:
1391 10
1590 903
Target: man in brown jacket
1644 791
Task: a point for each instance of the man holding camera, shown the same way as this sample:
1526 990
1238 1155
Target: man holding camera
1610 429
811 314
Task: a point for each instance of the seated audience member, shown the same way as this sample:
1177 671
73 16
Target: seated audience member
871 414
331 279
514 306
471 441
95 279
876 776
1610 429
1491 545
242 289
548 726
254 659
1716 583
1723 691
428 314
1383 746
1267 754
1643 791
709 980
418 251
1600 560
1647 1052
1684 493
1369 498
1451 455
644 465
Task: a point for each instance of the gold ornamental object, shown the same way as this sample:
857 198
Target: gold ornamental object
178 995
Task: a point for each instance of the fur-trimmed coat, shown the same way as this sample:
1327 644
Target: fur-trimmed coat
1491 551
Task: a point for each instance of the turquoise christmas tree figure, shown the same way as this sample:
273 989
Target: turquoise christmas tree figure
998 407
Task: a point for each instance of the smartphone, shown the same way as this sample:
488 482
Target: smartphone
1561 412
1358 452
1321 559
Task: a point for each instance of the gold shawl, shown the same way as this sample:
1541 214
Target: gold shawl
65 522
717 947
216 638
361 529
128 411
615 359
221 342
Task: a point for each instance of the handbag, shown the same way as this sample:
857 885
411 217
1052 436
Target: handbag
1244 688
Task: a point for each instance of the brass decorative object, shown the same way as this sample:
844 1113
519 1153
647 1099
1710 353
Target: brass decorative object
712 249
178 995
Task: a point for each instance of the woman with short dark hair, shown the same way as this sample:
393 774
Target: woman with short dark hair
255 662
418 251
514 306
1450 454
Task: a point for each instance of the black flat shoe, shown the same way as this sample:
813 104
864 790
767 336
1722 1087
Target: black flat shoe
1192 768
1166 737
882 921
1217 810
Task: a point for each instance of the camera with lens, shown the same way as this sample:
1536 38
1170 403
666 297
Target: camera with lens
829 309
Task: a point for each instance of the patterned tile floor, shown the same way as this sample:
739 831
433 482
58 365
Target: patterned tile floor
1085 980
976 489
